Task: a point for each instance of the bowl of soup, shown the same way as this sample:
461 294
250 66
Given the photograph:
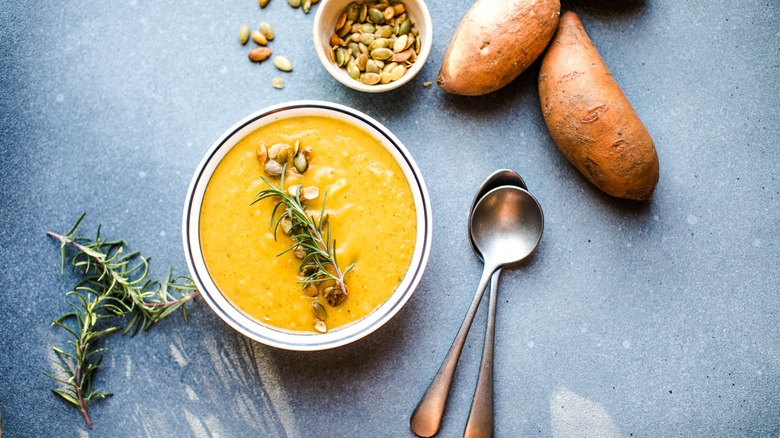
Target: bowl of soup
307 225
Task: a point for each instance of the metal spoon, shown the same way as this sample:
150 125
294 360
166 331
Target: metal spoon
503 238
506 226
481 413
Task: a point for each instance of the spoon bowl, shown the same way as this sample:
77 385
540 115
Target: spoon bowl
506 225
502 177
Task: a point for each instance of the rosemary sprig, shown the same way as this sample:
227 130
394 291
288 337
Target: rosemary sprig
115 285
311 236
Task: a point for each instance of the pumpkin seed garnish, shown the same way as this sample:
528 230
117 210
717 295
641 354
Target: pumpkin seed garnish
263 3
259 38
277 83
319 311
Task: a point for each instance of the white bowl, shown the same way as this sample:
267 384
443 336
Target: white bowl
329 11
264 333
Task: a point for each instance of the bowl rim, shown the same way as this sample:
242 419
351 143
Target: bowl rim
249 326
341 75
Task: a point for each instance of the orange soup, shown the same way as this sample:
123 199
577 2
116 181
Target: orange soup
370 210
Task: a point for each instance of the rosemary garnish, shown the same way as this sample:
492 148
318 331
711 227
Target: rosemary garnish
311 236
114 285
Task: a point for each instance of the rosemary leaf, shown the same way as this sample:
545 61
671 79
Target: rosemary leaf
310 235
115 287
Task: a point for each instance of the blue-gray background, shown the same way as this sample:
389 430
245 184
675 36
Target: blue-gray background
655 319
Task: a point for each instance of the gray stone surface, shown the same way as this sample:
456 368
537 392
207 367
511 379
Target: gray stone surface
656 319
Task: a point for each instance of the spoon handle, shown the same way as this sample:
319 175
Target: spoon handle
427 416
480 422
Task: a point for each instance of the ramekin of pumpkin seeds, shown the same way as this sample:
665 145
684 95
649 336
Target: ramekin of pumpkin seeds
372 45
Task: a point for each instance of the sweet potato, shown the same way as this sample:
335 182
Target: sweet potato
591 120
495 42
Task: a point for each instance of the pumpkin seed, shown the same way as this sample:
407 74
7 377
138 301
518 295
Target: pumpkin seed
361 62
341 21
311 290
397 72
262 153
341 58
363 12
383 32
367 28
353 12
243 34
300 163
405 27
273 168
299 252
385 78
427 84
399 8
283 63
294 3
267 31
376 16
320 326
400 44
402 56
279 152
335 40
296 147
378 43
372 66
263 3
259 38
277 83
417 45
310 193
259 54
353 70
382 54
389 13
286 223
306 6
367 38
369 78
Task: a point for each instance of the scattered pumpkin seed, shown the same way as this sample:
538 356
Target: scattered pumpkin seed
283 63
306 6
267 31
294 3
320 326
277 83
427 84
243 34
259 54
259 38
263 3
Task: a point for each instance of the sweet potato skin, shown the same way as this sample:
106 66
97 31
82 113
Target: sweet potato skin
495 42
591 120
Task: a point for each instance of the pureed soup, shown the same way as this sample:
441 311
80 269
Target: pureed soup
370 211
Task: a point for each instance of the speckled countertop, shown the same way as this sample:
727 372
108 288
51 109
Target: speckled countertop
655 319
